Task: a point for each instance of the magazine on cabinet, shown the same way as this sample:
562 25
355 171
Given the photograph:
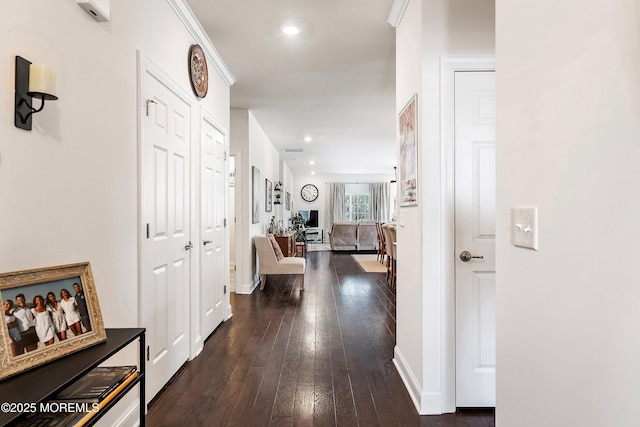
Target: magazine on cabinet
95 385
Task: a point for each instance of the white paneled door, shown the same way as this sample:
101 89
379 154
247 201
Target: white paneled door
475 187
213 273
166 215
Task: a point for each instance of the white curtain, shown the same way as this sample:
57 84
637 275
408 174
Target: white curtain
379 201
335 211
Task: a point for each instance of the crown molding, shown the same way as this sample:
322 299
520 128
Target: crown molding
194 27
397 12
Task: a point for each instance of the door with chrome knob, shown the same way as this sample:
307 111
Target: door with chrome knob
466 256
474 234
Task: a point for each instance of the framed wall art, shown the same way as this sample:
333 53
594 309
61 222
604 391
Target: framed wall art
268 192
408 143
255 191
48 313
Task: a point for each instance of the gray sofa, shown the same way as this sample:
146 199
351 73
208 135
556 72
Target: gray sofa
353 236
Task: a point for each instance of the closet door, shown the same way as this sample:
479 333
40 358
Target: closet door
475 198
165 243
213 274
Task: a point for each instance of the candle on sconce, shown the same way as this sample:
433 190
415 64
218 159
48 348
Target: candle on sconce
42 79
33 82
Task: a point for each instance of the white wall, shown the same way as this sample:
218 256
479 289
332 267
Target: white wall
70 187
408 353
568 142
429 30
254 149
242 195
231 215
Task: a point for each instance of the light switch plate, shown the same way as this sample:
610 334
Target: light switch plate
524 227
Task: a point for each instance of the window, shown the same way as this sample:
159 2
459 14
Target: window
356 207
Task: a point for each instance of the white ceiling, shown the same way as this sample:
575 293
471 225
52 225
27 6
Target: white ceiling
335 81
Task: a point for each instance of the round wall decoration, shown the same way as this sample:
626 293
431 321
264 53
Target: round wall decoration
198 70
309 192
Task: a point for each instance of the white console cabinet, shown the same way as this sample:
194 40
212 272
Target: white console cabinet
314 234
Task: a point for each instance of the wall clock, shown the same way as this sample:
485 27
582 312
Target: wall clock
309 192
198 71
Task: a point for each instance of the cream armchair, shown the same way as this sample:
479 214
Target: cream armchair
270 264
344 236
367 236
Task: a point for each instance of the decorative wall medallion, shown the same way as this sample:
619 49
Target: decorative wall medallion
198 71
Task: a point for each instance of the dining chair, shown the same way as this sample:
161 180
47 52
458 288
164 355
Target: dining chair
394 256
386 229
382 251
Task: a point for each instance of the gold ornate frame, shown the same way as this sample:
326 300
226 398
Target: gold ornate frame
37 281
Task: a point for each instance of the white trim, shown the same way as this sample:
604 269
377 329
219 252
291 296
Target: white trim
410 381
194 27
397 12
246 289
448 66
131 416
425 403
431 404
199 346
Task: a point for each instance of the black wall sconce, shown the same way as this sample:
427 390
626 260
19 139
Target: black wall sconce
32 81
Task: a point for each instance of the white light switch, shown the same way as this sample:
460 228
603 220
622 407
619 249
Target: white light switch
524 227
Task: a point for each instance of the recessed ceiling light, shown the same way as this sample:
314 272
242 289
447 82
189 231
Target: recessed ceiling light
290 30
311 162
307 139
313 173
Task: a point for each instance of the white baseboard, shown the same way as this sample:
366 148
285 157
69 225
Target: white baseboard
199 348
431 404
410 381
246 289
130 417
425 403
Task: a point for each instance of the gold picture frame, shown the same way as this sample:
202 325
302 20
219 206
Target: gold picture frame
17 355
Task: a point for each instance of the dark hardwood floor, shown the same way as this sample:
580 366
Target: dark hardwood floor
320 357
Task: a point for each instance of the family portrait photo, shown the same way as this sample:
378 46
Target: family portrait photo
48 312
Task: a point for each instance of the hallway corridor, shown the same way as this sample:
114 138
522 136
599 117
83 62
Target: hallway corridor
321 357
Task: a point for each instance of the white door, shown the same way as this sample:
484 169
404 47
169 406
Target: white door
165 254
475 233
213 274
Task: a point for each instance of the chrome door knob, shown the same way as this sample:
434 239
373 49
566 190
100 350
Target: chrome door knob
466 256
204 242
188 245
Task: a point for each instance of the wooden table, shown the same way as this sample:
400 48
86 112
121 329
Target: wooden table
287 243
